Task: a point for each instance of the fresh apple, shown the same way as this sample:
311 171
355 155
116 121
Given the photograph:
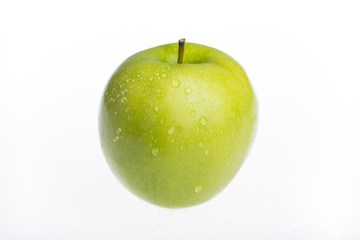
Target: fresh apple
176 123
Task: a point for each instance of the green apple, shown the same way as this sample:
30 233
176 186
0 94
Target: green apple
176 125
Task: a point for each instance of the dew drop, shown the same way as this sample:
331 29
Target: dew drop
118 131
175 83
171 130
116 138
200 144
191 105
206 152
157 108
198 188
155 152
164 75
203 121
123 99
193 114
151 78
187 90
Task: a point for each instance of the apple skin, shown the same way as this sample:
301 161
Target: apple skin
176 134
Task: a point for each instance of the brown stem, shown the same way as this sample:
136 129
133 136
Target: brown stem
181 50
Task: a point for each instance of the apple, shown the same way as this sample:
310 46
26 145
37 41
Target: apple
176 123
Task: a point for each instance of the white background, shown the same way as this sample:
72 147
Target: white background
301 179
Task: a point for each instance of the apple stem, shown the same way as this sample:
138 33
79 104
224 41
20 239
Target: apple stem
181 50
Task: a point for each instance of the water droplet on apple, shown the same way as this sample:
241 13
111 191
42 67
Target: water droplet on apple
198 188
203 121
187 90
172 140
155 152
193 114
200 144
204 100
151 78
171 130
191 105
206 152
118 131
175 83
157 108
162 121
164 75
116 138
123 99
